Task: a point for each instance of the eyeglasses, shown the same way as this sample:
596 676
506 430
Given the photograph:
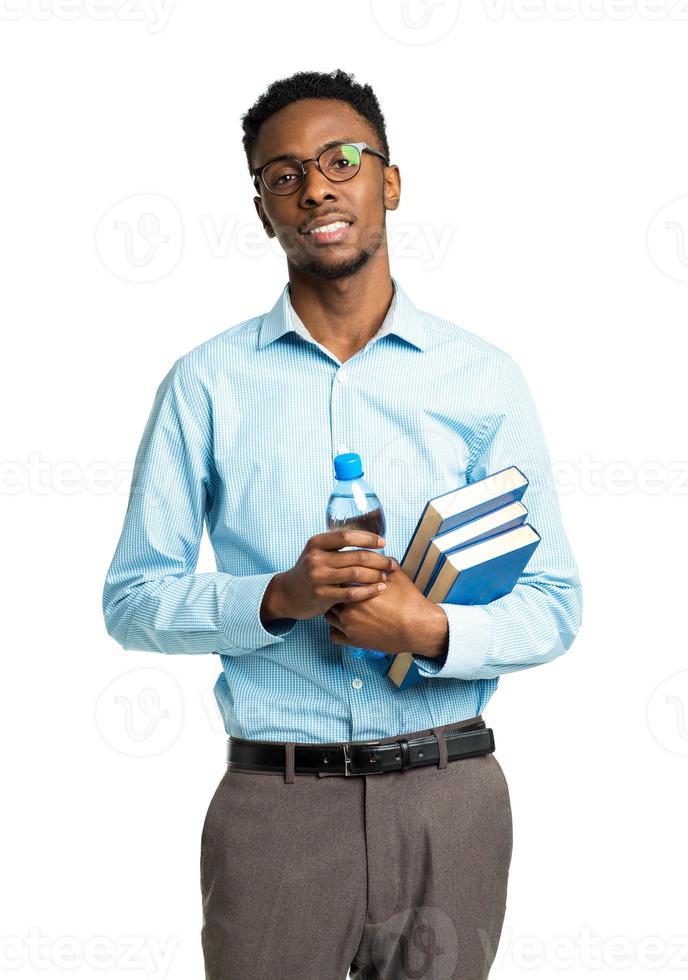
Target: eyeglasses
339 162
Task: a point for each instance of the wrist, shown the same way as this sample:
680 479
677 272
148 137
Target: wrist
434 639
275 604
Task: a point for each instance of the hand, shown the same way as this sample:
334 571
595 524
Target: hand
321 575
399 619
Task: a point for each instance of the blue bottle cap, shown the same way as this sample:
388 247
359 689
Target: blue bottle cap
347 466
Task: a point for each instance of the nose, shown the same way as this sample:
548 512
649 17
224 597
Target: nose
315 187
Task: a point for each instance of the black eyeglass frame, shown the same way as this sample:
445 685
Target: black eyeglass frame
362 147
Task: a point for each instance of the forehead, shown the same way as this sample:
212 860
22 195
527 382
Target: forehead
303 126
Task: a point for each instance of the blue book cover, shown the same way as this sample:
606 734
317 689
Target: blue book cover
500 519
485 571
456 507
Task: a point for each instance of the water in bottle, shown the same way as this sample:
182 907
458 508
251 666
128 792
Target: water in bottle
353 503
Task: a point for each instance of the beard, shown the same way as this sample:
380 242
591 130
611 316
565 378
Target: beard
337 270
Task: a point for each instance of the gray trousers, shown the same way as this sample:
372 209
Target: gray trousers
392 876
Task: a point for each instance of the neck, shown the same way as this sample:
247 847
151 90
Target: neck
343 314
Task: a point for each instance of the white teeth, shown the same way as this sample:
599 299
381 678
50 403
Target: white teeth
332 227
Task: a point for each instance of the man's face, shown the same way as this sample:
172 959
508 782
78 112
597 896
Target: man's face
301 130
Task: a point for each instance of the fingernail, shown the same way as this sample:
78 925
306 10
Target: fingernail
384 576
380 541
381 586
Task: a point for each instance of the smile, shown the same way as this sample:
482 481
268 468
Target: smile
329 233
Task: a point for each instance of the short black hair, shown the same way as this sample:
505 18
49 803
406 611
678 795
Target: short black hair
336 84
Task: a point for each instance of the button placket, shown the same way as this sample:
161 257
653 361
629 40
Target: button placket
338 411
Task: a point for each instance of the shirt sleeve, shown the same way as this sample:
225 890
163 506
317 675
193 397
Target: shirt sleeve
152 598
539 619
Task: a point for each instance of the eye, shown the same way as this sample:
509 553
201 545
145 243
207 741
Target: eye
341 158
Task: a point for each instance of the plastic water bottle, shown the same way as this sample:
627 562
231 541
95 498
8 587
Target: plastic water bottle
353 503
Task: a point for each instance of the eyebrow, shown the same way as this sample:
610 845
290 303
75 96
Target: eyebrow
294 156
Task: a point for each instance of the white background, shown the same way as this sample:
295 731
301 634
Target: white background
562 239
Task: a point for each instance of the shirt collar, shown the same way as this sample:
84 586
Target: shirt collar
403 319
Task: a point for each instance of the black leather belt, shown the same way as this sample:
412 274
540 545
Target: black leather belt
361 758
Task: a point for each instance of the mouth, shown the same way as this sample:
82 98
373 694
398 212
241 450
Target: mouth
328 232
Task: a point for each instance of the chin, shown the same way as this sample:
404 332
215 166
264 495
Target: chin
337 269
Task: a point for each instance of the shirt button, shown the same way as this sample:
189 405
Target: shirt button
357 683
342 377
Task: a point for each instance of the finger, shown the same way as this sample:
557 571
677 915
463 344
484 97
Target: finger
337 636
351 593
353 575
346 538
367 559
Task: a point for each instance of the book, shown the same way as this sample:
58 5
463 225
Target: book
456 507
501 519
487 570
474 575
447 513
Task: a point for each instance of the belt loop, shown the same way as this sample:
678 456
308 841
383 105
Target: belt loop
405 754
442 743
289 767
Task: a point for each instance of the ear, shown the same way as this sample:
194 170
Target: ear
391 188
263 217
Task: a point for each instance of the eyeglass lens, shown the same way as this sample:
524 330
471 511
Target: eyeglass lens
338 163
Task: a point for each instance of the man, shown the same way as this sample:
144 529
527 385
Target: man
400 870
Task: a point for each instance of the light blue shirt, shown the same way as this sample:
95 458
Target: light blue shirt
241 439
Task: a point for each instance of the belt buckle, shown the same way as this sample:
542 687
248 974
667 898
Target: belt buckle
348 771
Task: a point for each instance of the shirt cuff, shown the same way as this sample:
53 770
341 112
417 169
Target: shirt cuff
468 647
241 622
